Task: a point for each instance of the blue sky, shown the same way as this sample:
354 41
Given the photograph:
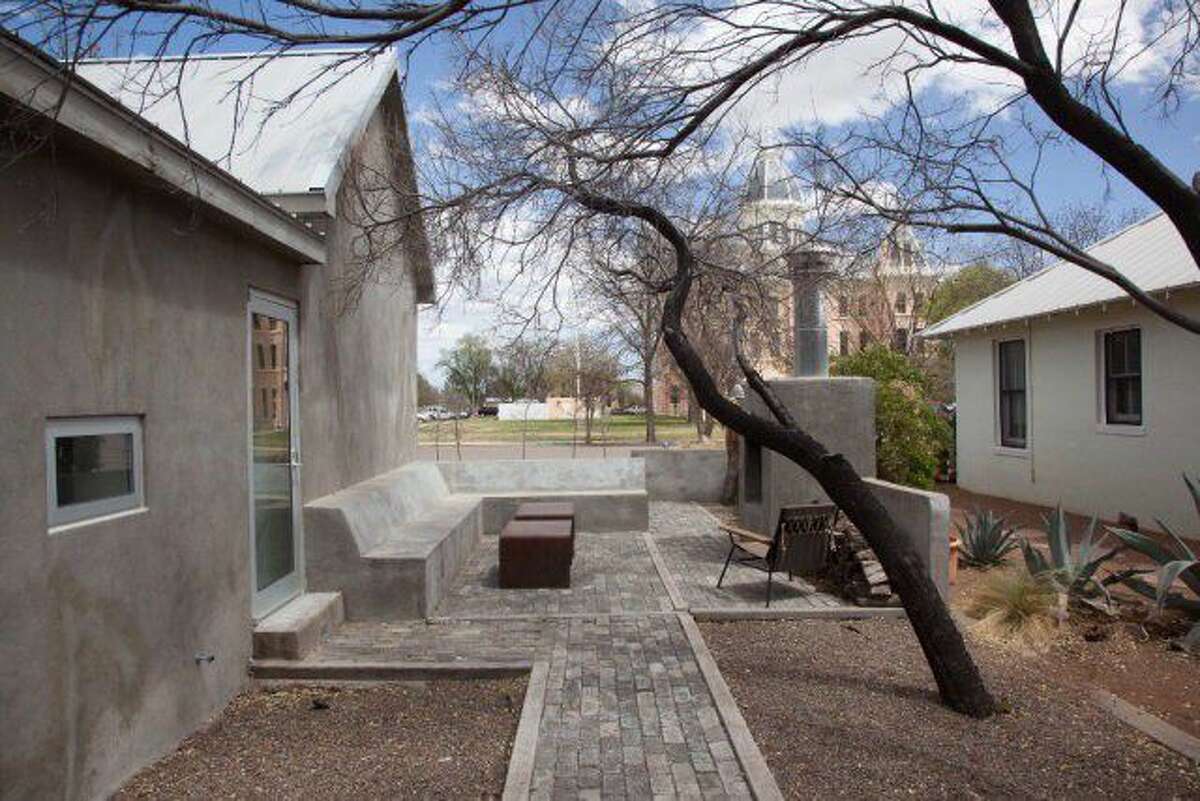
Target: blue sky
824 95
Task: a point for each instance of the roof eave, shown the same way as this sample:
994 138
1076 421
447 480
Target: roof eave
31 78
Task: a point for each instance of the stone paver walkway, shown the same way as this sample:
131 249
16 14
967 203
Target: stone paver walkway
612 572
627 713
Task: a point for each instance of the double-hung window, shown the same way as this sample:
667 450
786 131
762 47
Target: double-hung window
1012 405
93 467
1123 377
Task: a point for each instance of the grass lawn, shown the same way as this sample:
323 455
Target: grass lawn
620 430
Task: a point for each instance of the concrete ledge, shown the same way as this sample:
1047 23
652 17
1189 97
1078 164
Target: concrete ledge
924 517
294 629
734 613
683 474
596 511
524 750
1153 727
754 765
385 671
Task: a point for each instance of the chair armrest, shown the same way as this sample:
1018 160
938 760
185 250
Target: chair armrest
743 534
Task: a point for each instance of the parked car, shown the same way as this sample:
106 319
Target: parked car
488 411
631 410
427 413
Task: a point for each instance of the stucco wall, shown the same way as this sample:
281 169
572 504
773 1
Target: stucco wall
358 388
674 474
119 299
1069 458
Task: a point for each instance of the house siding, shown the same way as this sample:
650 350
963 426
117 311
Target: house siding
358 370
1069 458
120 298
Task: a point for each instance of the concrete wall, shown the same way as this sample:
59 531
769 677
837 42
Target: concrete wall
119 299
839 412
683 475
359 338
544 475
924 517
1070 457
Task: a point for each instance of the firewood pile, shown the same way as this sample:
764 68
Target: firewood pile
854 569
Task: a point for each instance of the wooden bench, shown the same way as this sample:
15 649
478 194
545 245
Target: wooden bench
549 510
536 554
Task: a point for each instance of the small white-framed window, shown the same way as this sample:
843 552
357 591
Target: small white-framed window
1121 378
93 468
1011 394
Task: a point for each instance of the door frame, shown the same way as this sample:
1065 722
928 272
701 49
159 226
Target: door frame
265 601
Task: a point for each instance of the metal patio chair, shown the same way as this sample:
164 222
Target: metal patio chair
798 526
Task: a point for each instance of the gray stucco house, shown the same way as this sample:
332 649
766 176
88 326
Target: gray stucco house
193 348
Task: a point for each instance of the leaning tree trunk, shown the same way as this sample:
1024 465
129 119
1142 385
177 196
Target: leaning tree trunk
733 462
958 680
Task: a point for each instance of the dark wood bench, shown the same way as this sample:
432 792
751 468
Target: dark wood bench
549 510
536 554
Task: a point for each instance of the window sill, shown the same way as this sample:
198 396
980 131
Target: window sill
63 528
1015 453
1120 430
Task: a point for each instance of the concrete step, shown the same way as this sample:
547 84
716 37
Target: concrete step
295 628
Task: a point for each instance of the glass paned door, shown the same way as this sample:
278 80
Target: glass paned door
276 545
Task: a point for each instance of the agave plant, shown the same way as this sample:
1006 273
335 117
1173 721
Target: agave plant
1177 563
985 539
1073 570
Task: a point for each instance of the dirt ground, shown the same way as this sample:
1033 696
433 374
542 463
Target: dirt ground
1130 657
849 710
441 739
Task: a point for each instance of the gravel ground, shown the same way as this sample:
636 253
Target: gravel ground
443 739
849 710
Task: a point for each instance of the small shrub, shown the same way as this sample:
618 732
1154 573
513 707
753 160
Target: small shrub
910 437
1014 606
985 540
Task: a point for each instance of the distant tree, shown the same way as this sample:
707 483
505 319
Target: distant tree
1084 224
969 285
523 369
427 393
469 370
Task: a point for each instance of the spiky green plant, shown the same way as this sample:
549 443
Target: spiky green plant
1072 569
1177 563
1016 607
985 539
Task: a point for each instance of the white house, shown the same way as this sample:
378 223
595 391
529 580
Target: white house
1069 392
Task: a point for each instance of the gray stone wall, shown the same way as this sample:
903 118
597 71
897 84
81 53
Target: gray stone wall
924 517
359 369
683 475
120 299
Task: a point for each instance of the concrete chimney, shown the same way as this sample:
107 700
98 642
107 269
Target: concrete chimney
810 269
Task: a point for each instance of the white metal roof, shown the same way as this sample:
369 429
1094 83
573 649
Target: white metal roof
31 78
278 121
1150 252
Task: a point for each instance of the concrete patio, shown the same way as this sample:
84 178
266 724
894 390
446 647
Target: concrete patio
633 705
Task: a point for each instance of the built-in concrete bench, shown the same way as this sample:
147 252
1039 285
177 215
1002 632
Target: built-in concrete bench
393 545
608 494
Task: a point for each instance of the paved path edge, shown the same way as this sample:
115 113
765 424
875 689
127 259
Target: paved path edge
754 765
1153 727
664 575
519 780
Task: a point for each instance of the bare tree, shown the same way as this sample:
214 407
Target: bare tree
626 298
602 106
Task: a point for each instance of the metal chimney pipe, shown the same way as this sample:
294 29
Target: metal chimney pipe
811 336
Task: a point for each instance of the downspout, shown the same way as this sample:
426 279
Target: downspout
1029 399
